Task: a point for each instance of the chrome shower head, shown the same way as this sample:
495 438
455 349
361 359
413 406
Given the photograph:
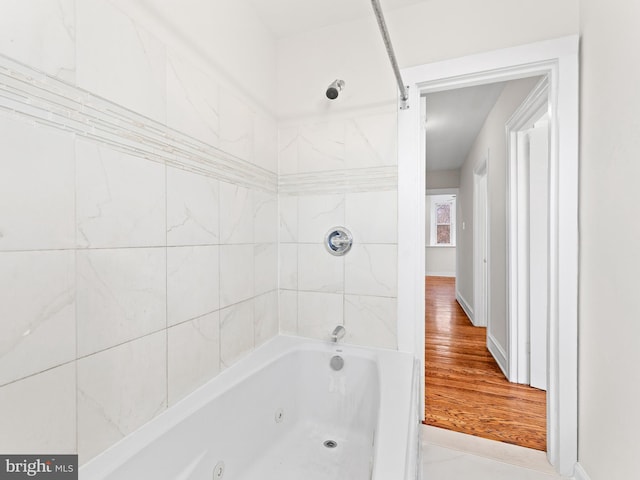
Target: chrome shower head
334 89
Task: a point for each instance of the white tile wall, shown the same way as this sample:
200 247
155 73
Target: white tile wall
236 214
193 355
318 270
193 100
288 265
288 311
265 317
120 199
288 217
288 140
38 413
265 268
321 146
371 321
265 138
236 273
371 269
121 296
119 390
371 140
114 262
40 33
37 308
372 217
37 179
236 126
193 203
319 313
119 60
193 282
236 332
115 214
317 214
339 172
265 209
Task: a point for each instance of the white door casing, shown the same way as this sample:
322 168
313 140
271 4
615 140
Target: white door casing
480 246
528 239
538 241
558 59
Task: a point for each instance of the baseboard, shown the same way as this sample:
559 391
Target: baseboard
465 305
440 274
580 474
498 353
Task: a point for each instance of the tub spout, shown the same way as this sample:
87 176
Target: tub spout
338 333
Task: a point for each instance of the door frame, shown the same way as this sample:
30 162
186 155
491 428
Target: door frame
558 59
518 248
481 297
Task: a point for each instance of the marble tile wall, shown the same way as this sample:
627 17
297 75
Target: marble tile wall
140 252
339 172
138 226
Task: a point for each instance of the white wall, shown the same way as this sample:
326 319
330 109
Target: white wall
443 179
492 139
440 261
609 261
138 234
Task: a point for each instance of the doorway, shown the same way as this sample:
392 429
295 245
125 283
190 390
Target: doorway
559 60
472 353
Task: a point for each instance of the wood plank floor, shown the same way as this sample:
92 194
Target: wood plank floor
465 389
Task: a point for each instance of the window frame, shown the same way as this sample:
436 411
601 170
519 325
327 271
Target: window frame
436 200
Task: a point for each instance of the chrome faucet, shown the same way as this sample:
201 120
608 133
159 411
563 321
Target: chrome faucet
338 333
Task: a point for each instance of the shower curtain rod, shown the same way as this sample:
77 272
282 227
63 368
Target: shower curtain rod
404 96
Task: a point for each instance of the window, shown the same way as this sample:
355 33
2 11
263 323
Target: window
443 220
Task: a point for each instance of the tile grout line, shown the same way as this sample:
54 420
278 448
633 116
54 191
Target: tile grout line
344 271
166 281
75 283
219 208
297 239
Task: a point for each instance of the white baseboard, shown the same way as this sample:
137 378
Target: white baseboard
498 353
580 474
440 274
465 305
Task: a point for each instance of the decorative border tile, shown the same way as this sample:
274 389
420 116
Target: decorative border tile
38 97
340 181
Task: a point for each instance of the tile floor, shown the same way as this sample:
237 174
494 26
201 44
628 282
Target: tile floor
448 455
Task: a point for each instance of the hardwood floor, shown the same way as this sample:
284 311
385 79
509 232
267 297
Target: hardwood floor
465 389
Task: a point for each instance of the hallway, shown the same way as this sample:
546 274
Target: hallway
465 390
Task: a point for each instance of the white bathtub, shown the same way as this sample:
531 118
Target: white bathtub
268 416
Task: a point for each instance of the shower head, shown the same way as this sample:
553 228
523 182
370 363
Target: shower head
334 89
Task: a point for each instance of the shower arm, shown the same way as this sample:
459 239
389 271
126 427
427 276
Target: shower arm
404 95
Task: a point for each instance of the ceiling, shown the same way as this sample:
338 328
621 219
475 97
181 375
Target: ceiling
453 120
289 17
